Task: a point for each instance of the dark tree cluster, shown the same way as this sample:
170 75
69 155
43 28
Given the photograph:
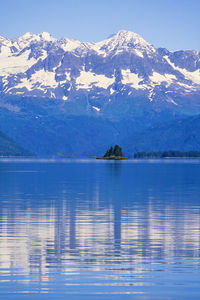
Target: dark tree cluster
169 153
114 152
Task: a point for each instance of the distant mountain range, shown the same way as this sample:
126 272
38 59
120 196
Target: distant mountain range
66 97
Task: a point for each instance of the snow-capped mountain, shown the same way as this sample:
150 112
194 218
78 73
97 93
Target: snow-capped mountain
38 65
66 97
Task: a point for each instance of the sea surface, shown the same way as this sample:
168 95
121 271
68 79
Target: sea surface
84 229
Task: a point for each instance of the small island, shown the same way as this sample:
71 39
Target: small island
113 153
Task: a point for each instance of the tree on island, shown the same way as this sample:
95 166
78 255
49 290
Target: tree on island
116 152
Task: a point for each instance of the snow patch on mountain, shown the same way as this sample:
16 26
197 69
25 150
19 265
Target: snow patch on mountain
96 108
187 87
112 91
138 53
74 46
68 76
43 55
38 80
25 83
159 78
88 79
5 50
132 79
173 102
16 63
65 98
193 76
44 78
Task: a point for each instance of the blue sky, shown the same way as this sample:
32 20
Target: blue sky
174 24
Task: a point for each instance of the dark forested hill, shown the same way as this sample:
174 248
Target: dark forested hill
183 135
9 147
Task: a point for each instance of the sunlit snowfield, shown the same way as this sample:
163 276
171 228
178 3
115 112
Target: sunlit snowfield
90 229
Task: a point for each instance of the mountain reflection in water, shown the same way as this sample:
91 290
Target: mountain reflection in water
128 228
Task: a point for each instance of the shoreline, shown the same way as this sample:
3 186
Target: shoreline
112 158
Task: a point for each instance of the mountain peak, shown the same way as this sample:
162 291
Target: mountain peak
2 39
130 37
46 36
127 34
123 34
124 40
28 36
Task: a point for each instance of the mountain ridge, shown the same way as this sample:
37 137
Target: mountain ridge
38 65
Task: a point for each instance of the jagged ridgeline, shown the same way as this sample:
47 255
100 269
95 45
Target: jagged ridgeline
125 65
114 152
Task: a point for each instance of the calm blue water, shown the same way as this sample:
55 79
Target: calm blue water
91 229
